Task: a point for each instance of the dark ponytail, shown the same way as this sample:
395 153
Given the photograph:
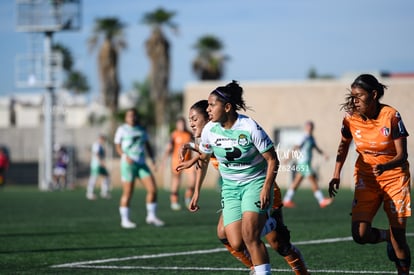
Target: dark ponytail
231 93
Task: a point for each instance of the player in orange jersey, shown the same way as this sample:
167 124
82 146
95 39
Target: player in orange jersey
381 171
279 237
178 138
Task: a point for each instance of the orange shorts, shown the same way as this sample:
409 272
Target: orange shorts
370 193
277 196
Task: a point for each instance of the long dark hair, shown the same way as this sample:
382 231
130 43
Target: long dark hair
201 107
368 83
231 93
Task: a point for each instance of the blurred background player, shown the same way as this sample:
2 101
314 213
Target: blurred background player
131 142
180 136
60 168
4 165
98 168
303 169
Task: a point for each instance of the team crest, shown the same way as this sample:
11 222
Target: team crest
242 141
385 131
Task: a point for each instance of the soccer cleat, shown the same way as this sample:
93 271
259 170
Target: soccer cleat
91 197
289 204
175 206
325 202
127 224
154 221
106 196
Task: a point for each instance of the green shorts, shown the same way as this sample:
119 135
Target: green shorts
129 172
99 171
235 200
304 169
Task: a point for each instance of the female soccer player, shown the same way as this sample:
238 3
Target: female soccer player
381 171
279 237
178 138
304 170
131 140
248 166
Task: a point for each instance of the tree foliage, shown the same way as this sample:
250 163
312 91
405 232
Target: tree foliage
209 62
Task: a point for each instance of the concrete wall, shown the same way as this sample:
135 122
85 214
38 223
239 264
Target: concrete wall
278 105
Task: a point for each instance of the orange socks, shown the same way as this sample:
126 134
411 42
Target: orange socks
242 256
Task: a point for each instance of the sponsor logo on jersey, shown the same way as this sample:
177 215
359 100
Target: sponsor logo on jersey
242 140
385 131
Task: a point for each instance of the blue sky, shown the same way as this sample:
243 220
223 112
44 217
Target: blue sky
266 39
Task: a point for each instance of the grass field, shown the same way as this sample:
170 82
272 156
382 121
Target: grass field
63 233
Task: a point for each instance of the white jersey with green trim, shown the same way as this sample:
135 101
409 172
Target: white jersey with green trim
238 150
98 154
132 140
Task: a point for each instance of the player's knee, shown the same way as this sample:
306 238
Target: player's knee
221 234
358 238
224 241
283 249
238 246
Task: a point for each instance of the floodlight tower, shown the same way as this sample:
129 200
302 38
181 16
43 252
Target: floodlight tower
43 70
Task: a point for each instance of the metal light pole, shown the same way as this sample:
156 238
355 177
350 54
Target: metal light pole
48 106
45 16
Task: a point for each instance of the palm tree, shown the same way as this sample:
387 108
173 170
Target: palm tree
158 51
209 63
76 82
67 59
108 31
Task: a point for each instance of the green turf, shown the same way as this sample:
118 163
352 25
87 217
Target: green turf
42 229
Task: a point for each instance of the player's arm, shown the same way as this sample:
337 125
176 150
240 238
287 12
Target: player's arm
201 172
168 151
400 158
187 147
272 168
340 160
148 147
119 149
188 164
320 152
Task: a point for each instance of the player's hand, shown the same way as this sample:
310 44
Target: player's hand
264 198
333 187
193 205
182 166
183 151
378 169
129 160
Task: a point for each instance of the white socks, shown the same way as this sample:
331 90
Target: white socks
124 212
263 269
105 187
318 195
151 209
91 185
289 195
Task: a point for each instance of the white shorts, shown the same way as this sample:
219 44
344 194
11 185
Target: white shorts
59 171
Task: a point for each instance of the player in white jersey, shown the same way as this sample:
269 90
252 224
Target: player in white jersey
131 142
279 237
248 165
98 168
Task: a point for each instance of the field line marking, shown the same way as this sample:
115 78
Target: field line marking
89 264
143 257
